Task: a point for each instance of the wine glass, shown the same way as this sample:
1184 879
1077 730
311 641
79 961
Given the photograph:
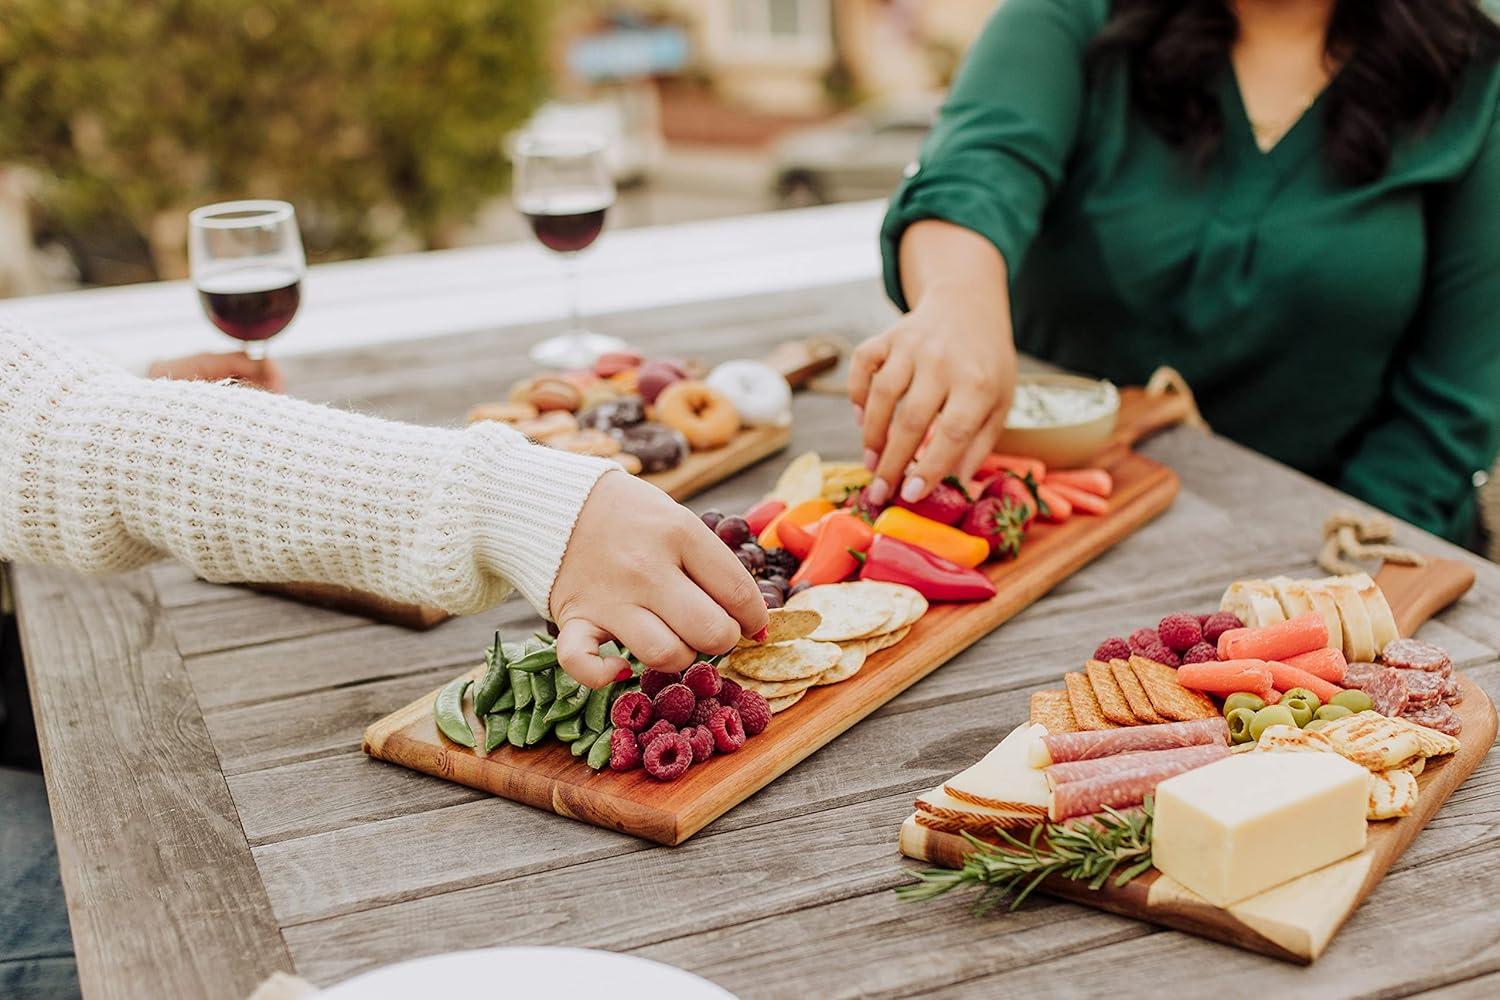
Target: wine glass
563 187
247 264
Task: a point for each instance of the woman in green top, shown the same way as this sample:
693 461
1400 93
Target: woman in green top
1294 202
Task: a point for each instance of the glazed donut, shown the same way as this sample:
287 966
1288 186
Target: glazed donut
704 416
548 425
614 414
658 447
505 413
586 442
551 393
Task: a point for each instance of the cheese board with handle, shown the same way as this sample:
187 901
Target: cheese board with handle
1297 920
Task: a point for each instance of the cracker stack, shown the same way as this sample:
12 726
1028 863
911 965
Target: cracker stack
1136 692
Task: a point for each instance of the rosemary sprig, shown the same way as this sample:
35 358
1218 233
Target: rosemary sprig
1089 852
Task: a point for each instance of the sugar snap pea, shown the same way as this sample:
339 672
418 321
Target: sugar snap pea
543 690
596 709
581 745
449 712
506 702
611 648
541 659
568 730
496 729
569 707
520 683
515 733
599 752
538 728
564 682
495 679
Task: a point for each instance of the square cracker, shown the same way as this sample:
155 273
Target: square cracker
1135 695
1107 692
1168 697
1085 706
1053 710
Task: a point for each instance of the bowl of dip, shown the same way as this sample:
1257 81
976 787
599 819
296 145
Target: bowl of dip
1064 420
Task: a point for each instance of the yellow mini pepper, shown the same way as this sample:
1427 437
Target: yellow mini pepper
934 536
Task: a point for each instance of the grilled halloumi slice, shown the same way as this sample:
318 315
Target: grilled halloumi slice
1290 739
1432 742
1392 794
1359 636
1374 741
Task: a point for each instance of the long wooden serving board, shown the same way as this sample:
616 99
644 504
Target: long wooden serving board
1297 920
549 778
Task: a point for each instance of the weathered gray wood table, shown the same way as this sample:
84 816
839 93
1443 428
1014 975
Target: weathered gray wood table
217 821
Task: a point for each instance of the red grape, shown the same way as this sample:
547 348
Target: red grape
711 518
733 531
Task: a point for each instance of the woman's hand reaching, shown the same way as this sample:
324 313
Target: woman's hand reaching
642 569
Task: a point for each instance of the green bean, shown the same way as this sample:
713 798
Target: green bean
564 682
495 679
539 727
496 729
568 730
581 745
599 752
515 733
505 703
449 712
596 709
543 691
520 683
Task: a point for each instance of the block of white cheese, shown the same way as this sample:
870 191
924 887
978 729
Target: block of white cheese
1004 779
1244 824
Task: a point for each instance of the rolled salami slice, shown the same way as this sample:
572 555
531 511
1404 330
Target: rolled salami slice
1440 717
1414 654
1079 770
1128 785
1059 748
1423 688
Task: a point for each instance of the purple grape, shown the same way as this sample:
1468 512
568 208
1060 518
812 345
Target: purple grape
746 560
772 600
757 556
733 531
770 589
799 588
776 580
783 562
711 518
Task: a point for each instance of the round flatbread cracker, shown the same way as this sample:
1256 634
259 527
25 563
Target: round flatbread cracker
851 659
784 703
767 689
785 661
879 642
850 610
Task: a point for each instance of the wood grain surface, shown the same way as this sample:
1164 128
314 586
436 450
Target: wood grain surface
365 864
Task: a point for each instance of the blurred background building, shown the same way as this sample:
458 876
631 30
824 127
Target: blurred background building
389 130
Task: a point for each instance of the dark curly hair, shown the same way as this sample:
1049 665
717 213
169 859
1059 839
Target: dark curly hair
1402 61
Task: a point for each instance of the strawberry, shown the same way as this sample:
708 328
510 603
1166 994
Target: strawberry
1019 491
947 503
1000 521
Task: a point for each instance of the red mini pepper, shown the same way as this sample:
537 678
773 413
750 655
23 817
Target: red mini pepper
760 516
934 577
835 553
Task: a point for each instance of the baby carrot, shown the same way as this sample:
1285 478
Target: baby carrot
1302 634
1226 677
1057 507
1286 677
1082 500
1327 663
1095 481
1019 464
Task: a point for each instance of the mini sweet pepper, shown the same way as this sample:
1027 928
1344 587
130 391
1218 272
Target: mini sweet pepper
935 578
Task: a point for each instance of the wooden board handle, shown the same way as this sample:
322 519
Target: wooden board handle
1417 593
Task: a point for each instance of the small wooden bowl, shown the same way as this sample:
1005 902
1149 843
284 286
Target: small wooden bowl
1065 445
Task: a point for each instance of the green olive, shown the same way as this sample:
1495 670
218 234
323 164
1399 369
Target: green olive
1354 700
1305 695
1271 715
1317 724
1243 699
1239 725
1331 711
1302 710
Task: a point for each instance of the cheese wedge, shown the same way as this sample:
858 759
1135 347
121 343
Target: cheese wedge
1004 779
1359 637
1382 621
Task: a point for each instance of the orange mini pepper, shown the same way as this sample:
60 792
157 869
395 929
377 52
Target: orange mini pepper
832 557
803 514
934 536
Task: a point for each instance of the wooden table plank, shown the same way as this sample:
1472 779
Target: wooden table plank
162 894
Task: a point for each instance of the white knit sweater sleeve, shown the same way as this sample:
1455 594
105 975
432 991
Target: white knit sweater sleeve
100 470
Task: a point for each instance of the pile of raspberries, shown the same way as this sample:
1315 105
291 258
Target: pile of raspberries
674 722
1177 639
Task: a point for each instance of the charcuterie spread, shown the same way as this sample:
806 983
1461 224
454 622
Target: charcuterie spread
1231 752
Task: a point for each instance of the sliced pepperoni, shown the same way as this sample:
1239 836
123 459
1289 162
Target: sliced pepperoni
1414 654
1440 717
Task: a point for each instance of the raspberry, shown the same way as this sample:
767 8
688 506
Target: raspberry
1113 648
702 679
729 692
1179 632
658 727
675 703
755 712
1161 654
703 711
1203 619
728 730
1203 652
632 711
1142 639
1218 623
652 681
668 757
624 752
702 742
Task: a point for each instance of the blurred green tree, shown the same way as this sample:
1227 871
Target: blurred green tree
375 118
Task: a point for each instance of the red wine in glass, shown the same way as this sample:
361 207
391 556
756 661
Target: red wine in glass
566 221
252 304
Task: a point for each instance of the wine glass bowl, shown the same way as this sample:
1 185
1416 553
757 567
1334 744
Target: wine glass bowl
563 187
247 263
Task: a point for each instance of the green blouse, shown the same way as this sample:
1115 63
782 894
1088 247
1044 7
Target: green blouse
1350 332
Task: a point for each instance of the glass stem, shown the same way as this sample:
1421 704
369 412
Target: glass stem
570 277
255 350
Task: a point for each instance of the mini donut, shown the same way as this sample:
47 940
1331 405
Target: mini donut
586 442
658 447
552 393
614 414
704 416
613 363
601 391
548 425
505 413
